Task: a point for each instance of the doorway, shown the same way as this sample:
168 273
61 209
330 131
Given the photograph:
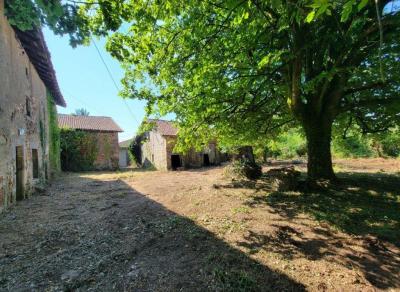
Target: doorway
206 160
19 174
175 161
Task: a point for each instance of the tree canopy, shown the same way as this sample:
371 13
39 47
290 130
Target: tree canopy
81 112
243 70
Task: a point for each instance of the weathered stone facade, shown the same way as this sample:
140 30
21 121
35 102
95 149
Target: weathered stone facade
23 120
158 150
108 150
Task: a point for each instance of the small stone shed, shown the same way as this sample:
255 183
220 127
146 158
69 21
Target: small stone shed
29 94
103 130
158 145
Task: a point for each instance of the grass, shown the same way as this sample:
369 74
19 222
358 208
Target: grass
364 204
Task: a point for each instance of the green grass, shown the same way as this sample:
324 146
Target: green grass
363 204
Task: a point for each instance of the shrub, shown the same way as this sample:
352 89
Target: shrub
135 152
78 150
288 145
246 168
391 144
352 146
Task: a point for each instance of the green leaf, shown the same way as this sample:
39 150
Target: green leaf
362 4
310 16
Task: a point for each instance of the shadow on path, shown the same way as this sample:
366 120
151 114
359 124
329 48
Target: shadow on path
103 235
365 206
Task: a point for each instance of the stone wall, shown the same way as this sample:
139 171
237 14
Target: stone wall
154 151
23 116
157 151
108 150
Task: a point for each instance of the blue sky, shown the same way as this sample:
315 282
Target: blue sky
85 83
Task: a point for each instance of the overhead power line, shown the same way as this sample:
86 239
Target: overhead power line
113 80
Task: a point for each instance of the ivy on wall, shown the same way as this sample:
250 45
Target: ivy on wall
78 150
54 136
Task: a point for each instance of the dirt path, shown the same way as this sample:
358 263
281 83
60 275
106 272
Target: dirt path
91 234
182 231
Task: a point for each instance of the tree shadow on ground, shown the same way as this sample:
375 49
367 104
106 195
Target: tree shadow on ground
95 234
366 206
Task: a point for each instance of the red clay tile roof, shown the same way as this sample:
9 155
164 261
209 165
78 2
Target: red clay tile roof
165 128
92 123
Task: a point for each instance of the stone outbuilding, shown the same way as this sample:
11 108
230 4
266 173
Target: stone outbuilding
157 150
103 131
29 93
124 159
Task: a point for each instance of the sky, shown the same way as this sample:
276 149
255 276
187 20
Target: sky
85 83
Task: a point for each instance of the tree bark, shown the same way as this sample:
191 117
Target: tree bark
319 165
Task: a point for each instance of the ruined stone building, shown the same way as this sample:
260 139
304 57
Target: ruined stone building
29 92
102 131
157 149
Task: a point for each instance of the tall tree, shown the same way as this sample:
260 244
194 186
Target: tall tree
243 69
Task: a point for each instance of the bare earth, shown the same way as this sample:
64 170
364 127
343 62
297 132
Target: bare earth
191 231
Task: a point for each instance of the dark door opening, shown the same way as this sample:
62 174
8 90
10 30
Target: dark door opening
175 161
206 160
35 164
19 151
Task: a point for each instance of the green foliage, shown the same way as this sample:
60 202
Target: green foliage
135 149
246 168
288 145
62 17
355 145
81 112
391 143
240 70
78 150
54 136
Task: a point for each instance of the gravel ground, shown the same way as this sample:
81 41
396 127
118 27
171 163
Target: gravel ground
196 231
99 234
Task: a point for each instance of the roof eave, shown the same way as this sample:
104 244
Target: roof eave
35 46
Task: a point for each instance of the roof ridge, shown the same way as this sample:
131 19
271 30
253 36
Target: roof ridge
92 123
73 115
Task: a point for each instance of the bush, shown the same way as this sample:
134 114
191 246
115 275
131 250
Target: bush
135 151
352 146
246 168
288 145
78 150
391 145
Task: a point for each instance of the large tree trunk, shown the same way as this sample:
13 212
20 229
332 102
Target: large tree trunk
319 165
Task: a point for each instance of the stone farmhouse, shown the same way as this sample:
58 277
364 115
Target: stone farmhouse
158 145
29 93
103 131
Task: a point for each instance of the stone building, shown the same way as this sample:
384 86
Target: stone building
124 159
103 131
158 145
29 149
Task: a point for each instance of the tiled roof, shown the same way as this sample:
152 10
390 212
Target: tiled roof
35 46
165 128
126 143
92 123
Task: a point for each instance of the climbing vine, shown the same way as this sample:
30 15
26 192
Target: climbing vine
54 136
78 150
